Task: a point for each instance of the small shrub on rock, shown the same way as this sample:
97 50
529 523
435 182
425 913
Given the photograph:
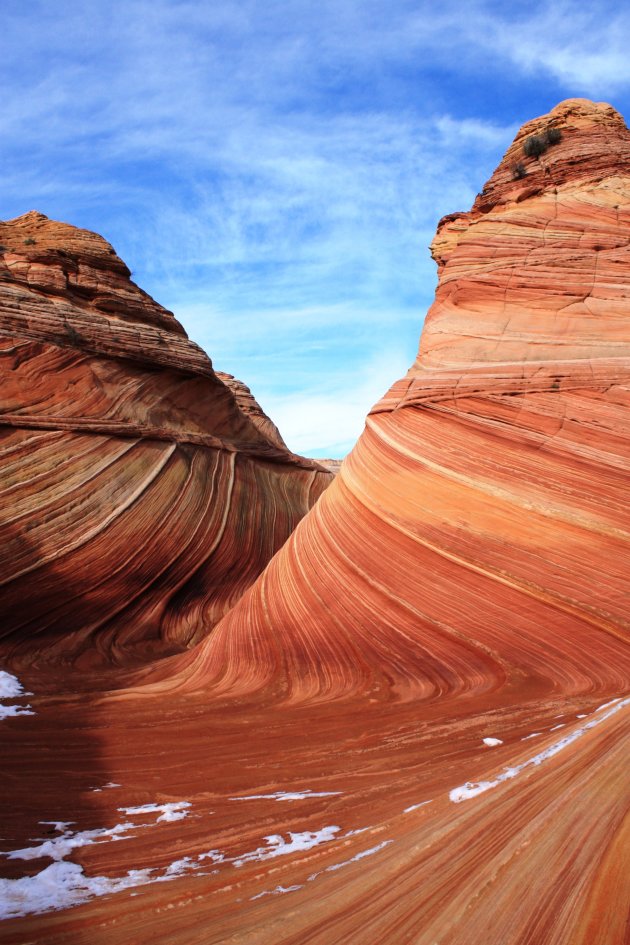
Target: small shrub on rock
29 241
552 136
518 171
534 146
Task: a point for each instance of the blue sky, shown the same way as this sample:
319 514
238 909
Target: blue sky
273 172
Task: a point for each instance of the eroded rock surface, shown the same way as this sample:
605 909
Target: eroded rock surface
413 726
140 496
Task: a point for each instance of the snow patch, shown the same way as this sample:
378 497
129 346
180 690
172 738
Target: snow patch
278 846
59 847
413 807
180 867
13 711
354 859
168 812
11 688
215 855
60 825
59 886
358 856
606 704
471 789
468 790
62 884
287 795
276 892
491 742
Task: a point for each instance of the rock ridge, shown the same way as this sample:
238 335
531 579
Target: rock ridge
536 272
131 473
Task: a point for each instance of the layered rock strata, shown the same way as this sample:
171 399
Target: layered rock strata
140 495
486 496
413 726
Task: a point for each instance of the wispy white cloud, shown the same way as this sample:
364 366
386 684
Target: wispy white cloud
584 47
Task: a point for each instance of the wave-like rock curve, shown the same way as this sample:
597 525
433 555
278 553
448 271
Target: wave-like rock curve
412 727
139 498
485 499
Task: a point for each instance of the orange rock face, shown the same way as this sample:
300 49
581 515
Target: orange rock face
412 728
139 498
537 271
249 406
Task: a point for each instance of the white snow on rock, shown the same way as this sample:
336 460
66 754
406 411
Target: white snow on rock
168 812
413 807
181 867
11 688
58 886
215 855
276 892
64 884
358 856
353 859
278 846
59 847
471 789
491 742
605 705
13 711
328 869
287 795
60 825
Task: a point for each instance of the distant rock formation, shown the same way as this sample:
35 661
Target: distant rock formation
333 464
141 494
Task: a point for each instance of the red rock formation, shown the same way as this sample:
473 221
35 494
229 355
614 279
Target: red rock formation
252 409
500 458
139 498
411 727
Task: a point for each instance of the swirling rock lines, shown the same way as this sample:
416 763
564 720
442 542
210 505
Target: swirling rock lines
139 499
435 664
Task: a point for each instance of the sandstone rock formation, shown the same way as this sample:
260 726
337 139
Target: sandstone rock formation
252 409
500 460
411 727
140 496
